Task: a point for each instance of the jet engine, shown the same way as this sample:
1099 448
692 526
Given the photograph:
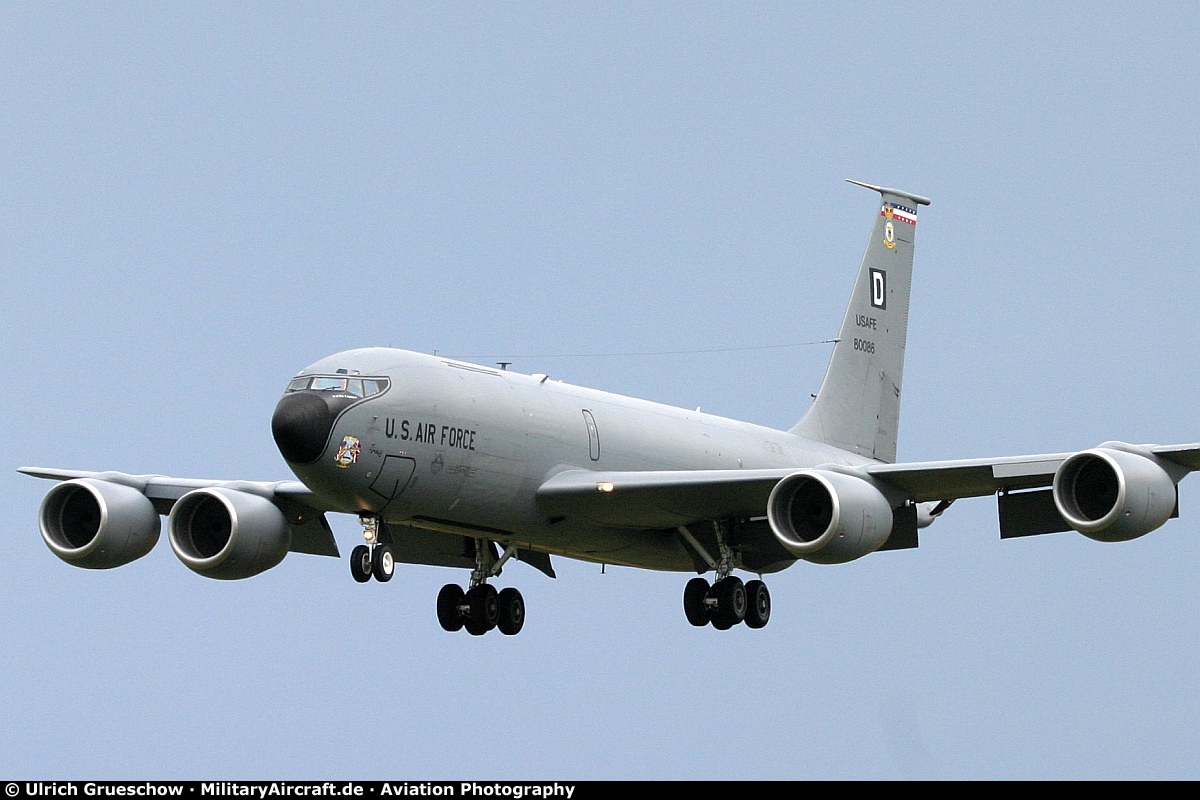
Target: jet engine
96 524
1113 495
226 534
828 517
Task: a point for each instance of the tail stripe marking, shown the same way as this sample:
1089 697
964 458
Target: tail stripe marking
902 213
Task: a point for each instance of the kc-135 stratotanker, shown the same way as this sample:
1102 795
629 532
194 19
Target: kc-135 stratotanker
453 464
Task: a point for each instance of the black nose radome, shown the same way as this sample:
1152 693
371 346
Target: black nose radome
301 426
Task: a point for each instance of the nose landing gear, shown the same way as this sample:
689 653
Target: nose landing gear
373 559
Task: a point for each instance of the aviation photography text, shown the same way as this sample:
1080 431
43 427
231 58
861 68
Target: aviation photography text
261 790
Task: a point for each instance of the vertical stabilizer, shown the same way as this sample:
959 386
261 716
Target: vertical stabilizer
858 405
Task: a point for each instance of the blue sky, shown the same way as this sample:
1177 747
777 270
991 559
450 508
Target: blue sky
201 199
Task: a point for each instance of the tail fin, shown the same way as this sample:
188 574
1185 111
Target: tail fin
858 405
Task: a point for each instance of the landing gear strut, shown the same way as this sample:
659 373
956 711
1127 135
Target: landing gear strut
481 608
373 559
727 601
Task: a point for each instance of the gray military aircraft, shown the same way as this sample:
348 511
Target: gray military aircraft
453 464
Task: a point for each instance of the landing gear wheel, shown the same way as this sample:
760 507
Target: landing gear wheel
731 602
511 610
694 595
448 601
383 565
758 604
485 609
360 563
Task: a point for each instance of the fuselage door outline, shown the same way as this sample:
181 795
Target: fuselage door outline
593 435
394 476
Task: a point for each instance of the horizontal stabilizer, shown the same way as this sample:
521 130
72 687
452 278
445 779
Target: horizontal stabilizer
916 198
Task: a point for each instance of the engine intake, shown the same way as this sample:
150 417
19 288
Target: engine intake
226 534
98 525
1113 495
828 517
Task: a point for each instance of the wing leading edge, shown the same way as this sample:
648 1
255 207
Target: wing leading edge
660 499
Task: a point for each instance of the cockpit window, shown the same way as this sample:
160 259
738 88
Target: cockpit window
359 387
328 384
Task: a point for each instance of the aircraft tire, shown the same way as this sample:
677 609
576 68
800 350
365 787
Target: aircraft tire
448 601
485 609
731 602
758 604
694 595
383 565
360 563
511 611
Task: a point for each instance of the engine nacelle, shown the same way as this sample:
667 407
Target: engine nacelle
828 517
226 534
1113 495
98 525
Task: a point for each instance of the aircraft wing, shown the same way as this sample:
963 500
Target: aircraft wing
1185 455
310 532
659 499
663 499
951 480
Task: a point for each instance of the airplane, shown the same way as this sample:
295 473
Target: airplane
453 464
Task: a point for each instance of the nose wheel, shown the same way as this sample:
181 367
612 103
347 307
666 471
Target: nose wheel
373 559
360 563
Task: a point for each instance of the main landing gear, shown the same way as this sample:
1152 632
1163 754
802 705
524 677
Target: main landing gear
481 608
372 560
727 601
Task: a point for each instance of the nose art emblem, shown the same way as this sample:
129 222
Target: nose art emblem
347 452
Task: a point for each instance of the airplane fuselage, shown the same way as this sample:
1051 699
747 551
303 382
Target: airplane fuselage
463 448
458 465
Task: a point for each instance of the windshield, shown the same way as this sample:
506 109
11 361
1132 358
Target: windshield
359 387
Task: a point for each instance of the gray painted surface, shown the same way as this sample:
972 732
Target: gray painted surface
544 466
